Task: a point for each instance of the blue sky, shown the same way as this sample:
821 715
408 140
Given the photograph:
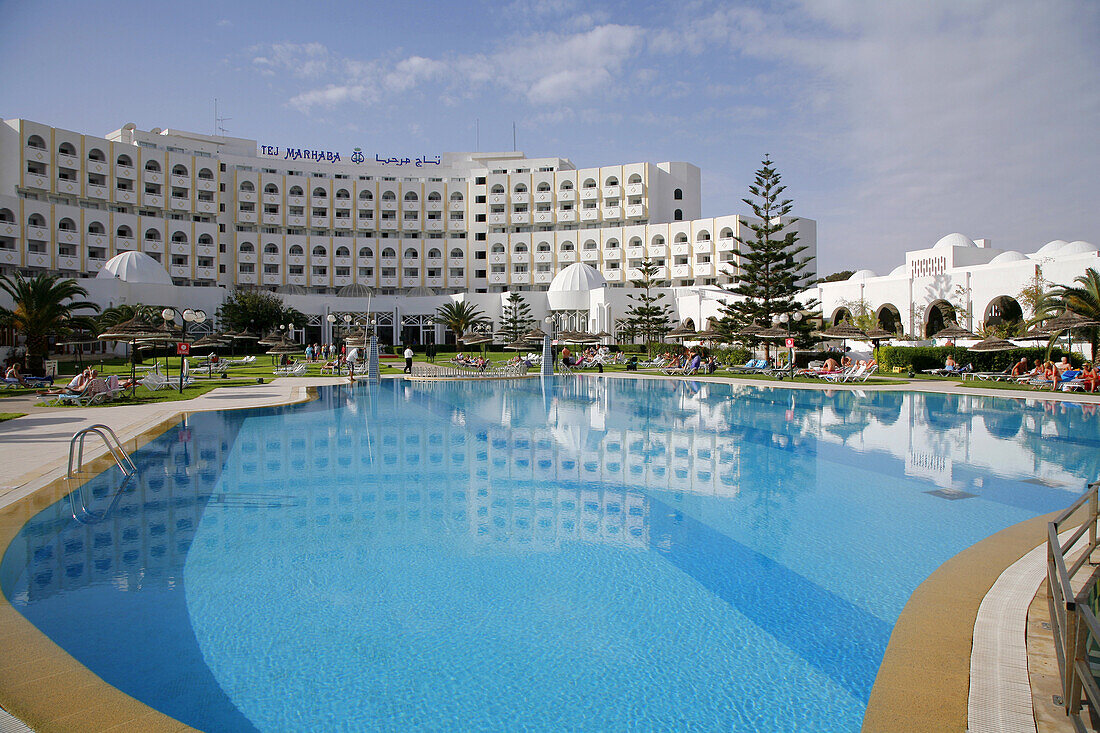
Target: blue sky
893 123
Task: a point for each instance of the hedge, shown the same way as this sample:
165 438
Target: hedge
919 358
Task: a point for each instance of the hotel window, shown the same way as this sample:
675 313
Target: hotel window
320 270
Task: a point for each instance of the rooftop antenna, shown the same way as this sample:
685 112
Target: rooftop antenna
218 129
513 136
477 134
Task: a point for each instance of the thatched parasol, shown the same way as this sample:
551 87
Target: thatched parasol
535 334
845 331
132 331
271 339
953 331
518 346
775 332
993 344
680 332
604 335
284 346
1066 320
750 330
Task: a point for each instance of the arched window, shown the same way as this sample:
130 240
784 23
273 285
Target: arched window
434 196
411 196
246 247
34 141
152 166
296 191
657 241
520 248
611 181
36 220
96 154
634 242
542 247
319 251
271 188
411 254
343 252
678 195
205 174
179 237
6 216
66 225
726 233
589 183
319 193
634 178
366 196
96 228
247 186
456 196
433 252
498 249
611 244
124 160
389 252
179 170
680 238
342 194
542 187
66 149
702 236
295 251
566 246
566 186
205 239
271 248
497 188
366 252
456 253
124 232
678 215
590 244
519 188
152 235
389 196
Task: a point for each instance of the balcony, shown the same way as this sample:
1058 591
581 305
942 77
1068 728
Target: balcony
272 198
318 222
521 198
30 180
521 218
497 277
205 184
8 229
454 205
125 172
342 204
705 246
613 276
433 225
96 240
410 224
205 273
388 205
341 261
544 277
567 196
295 221
434 262
544 217
152 245
635 253
388 225
434 282
681 270
661 274
341 280
567 216
388 262
681 248
248 217
94 264
590 215
612 192
522 257
296 279
39 260
272 278
544 197
41 234
590 255
613 212
727 244
247 278
67 236
497 258
590 194
271 258
179 248
318 279
180 181
704 268
204 250
153 199
498 198
657 250
68 263
152 176
567 257
179 271
636 211
635 189
498 219
521 278
295 200
410 206
67 161
65 185
343 222
433 206
319 260
544 257
388 282
125 196
181 204
33 153
246 196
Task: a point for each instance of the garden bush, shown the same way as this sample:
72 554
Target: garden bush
920 358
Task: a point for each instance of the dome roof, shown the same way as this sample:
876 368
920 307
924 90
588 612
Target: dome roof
291 289
954 240
1077 247
862 275
1009 256
420 292
577 276
899 270
135 267
354 290
1051 247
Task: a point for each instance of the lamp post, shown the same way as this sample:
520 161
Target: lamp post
786 320
189 316
547 368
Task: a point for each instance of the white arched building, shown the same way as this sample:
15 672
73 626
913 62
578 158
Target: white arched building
957 278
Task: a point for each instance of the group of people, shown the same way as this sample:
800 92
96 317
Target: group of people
320 352
474 362
691 361
1088 376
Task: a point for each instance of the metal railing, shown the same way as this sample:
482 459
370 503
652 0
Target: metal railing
454 371
122 458
1073 621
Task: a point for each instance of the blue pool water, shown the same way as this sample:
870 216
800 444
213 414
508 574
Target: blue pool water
586 554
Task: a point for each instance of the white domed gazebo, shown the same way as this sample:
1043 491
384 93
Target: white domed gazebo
574 297
135 268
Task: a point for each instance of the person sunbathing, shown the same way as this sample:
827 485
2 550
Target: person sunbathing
1020 369
77 385
1090 377
13 375
830 365
1051 373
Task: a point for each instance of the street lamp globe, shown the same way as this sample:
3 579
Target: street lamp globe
168 314
331 318
784 318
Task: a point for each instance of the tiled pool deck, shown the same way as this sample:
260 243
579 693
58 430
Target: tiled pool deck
924 683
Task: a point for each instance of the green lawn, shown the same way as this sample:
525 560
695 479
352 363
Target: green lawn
5 416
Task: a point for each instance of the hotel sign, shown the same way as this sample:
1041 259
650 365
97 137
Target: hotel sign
329 156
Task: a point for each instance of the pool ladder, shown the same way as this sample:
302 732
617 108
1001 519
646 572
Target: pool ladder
122 458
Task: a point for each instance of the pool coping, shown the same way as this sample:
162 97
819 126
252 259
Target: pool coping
916 688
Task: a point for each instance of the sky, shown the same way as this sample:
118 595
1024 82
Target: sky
892 123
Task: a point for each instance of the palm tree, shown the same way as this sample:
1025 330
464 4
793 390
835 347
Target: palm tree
462 317
44 306
120 313
1082 298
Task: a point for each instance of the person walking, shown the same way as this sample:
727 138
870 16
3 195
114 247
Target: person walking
408 360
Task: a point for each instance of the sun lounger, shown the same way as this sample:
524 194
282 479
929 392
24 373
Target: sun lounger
296 369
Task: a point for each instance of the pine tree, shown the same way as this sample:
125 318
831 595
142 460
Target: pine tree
771 272
515 318
649 318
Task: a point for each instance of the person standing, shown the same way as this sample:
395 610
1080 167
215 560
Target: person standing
408 360
353 356
430 349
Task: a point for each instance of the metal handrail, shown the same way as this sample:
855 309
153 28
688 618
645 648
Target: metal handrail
122 459
1072 619
442 371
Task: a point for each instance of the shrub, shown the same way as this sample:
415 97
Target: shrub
920 358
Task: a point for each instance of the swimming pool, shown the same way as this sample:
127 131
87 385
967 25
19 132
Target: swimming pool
590 553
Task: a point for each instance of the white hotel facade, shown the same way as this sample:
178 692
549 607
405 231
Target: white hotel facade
336 232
